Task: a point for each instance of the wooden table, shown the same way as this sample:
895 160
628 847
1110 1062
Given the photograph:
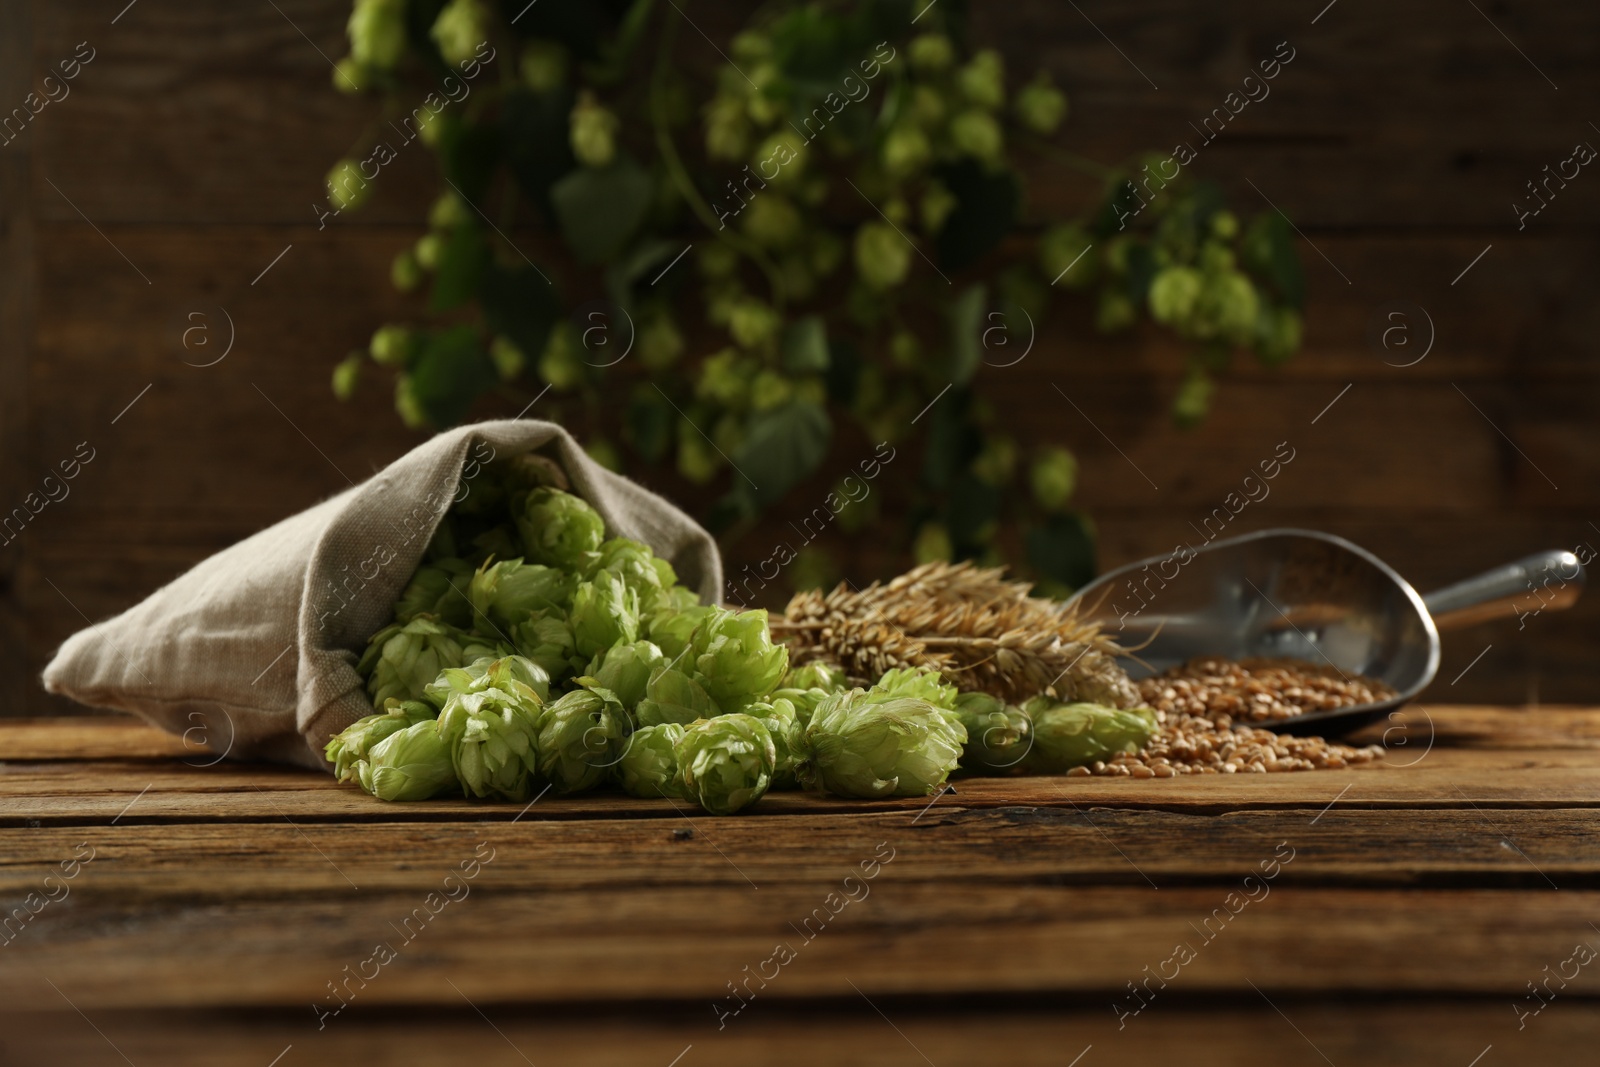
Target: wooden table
1397 914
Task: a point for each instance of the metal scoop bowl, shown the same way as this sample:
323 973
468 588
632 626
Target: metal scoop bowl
1305 595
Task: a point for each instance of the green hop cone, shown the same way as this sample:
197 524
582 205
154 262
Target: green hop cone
355 742
637 566
906 150
1227 308
402 658
392 345
377 30
543 66
1041 106
412 763
660 342
999 735
1053 478
513 674
347 189
782 721
461 27
557 528
438 589
727 762
427 250
983 79
905 747
1174 292
815 675
675 697
547 641
673 631
805 701
351 76
975 132
1193 399
1075 735
626 670
347 375
649 764
772 221
490 736
917 683
605 612
510 592
735 658
581 737
883 257
932 52
593 132
405 273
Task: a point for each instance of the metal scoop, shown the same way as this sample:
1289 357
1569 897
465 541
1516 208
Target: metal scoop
1311 596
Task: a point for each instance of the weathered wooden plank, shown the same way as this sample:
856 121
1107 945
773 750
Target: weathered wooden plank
902 937
911 1033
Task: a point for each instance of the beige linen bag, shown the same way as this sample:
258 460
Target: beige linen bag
252 652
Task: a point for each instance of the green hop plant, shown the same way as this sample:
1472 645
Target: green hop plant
377 31
782 721
1227 308
412 763
727 762
735 659
547 641
605 612
883 257
1174 292
405 273
347 375
983 79
512 674
354 743
426 251
904 747
649 763
392 345
999 735
1040 105
461 27
593 132
626 670
506 593
906 151
581 738
402 658
1053 478
932 52
673 631
438 589
1076 735
557 528
772 221
490 735
543 66
975 132
674 696
815 675
347 189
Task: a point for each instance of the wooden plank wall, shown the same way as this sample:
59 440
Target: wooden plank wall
191 150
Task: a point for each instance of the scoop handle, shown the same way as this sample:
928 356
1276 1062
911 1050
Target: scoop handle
1544 581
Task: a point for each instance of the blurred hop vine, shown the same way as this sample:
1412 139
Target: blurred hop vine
802 247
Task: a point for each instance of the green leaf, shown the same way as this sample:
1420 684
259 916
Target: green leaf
452 371
1062 549
966 333
987 206
781 447
538 148
623 275
599 209
1268 249
462 261
520 304
805 346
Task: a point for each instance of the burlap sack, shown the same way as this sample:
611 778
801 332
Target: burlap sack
252 653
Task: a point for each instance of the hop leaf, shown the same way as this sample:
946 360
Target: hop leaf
557 528
355 742
904 747
649 765
412 763
403 658
1075 735
727 762
580 738
490 734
